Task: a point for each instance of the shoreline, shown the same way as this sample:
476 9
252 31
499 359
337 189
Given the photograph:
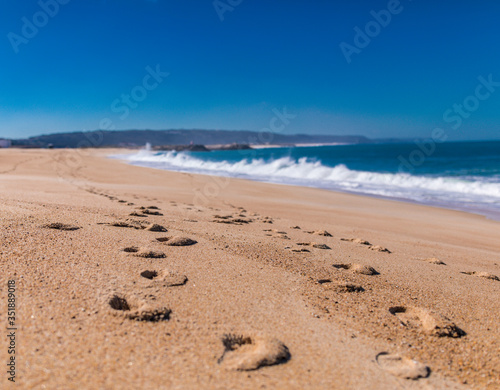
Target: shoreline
488 214
339 279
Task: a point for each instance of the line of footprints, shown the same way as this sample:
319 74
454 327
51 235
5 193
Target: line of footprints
250 352
241 352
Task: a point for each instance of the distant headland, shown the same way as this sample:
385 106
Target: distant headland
229 139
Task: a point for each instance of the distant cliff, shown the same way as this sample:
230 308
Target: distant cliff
133 138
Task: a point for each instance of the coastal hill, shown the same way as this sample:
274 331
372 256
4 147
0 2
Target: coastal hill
134 138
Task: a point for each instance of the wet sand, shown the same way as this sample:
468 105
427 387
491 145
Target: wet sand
130 277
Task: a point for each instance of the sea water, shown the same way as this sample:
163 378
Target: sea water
457 175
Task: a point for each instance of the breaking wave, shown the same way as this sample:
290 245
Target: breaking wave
450 190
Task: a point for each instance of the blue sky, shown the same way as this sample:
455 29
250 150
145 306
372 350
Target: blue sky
74 71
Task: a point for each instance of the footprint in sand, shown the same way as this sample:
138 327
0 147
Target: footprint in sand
429 322
278 234
402 367
229 219
357 268
485 275
151 212
245 353
274 231
433 260
133 308
177 241
155 228
323 233
267 220
320 246
142 208
144 253
165 278
61 226
360 241
314 245
152 227
136 214
341 287
379 248
356 241
131 224
131 249
241 220
234 221
217 216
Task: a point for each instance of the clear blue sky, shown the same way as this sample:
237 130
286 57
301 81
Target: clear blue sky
72 73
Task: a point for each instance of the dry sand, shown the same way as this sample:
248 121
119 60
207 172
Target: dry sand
105 302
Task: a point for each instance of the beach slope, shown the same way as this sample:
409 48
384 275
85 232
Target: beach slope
129 277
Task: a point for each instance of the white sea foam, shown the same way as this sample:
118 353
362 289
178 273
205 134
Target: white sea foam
427 189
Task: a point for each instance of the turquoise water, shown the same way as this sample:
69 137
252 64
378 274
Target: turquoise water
460 175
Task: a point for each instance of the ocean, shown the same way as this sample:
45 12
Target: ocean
456 175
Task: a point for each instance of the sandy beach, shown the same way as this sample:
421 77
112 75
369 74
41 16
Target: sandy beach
128 277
